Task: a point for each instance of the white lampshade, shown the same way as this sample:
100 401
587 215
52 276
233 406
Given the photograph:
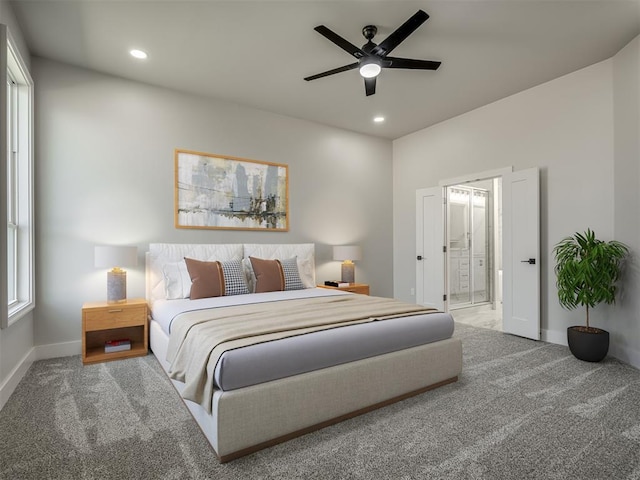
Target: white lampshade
111 256
347 252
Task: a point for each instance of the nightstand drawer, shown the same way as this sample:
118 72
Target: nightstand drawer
361 290
114 317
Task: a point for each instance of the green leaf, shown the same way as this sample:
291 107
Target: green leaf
587 270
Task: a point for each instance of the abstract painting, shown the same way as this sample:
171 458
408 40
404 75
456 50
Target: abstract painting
215 191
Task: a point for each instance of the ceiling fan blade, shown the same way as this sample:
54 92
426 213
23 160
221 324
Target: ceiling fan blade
331 72
370 86
402 32
410 63
339 41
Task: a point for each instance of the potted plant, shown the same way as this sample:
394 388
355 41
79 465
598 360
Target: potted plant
587 270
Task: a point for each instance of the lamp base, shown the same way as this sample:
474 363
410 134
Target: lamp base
116 286
348 272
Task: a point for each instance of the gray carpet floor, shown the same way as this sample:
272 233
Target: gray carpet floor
521 409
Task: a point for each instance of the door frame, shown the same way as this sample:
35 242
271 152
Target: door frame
475 177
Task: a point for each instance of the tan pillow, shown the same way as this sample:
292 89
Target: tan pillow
269 275
207 279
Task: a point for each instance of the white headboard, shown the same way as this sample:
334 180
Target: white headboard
304 251
160 254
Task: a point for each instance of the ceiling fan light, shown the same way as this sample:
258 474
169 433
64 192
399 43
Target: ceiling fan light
370 70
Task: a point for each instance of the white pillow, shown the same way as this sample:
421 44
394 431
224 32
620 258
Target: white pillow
305 269
177 282
249 276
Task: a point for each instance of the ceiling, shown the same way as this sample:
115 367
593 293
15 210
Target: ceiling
256 53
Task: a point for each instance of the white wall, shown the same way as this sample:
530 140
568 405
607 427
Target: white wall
8 18
564 127
105 175
16 341
625 330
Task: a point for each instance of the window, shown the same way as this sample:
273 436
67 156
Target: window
12 277
17 141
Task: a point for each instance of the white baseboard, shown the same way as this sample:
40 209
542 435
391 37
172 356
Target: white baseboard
13 379
553 336
39 352
54 350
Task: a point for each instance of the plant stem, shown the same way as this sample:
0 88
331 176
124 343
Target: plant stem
587 316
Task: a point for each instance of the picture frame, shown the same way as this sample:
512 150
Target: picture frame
222 192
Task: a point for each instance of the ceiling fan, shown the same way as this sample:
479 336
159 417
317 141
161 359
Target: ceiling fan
373 58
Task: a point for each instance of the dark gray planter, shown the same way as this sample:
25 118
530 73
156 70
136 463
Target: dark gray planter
588 345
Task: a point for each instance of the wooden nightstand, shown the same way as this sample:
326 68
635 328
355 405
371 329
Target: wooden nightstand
102 321
361 288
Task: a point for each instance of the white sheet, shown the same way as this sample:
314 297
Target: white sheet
164 311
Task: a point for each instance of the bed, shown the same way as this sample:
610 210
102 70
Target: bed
254 395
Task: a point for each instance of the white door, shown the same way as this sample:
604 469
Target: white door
430 272
521 253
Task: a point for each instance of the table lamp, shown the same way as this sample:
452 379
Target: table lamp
347 253
116 258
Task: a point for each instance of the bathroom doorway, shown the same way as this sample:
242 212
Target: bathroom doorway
514 230
474 256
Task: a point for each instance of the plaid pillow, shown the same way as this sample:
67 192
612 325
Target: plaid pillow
292 279
234 281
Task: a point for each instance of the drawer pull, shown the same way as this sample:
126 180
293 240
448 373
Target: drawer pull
115 311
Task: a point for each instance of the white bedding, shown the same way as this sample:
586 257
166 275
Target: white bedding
164 311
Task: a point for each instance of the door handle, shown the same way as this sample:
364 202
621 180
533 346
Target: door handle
419 257
531 261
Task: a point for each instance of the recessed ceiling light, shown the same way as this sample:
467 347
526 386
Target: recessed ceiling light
138 54
378 119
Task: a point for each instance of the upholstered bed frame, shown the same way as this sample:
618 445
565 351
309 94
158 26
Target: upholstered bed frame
248 419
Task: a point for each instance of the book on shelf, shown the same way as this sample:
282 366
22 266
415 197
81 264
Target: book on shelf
111 346
331 283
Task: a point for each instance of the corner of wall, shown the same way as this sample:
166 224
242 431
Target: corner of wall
626 354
